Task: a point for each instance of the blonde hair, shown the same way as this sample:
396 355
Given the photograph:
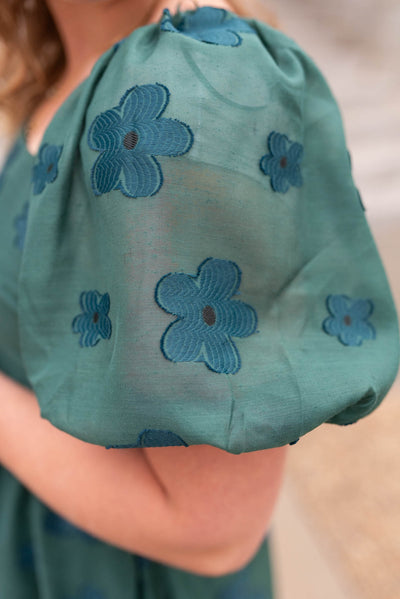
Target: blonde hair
32 57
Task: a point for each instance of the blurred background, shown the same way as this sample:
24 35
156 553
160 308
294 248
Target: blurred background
337 528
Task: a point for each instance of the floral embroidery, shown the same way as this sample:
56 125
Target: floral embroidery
349 319
210 25
207 316
56 525
93 323
150 437
282 164
47 170
20 224
129 136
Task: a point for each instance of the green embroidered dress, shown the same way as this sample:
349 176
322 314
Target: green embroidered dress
186 261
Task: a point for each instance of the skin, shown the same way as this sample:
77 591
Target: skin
199 508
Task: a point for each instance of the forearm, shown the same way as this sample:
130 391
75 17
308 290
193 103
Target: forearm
111 494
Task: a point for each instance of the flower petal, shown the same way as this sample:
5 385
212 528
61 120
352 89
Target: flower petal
332 326
361 309
144 102
141 175
89 301
81 323
176 292
106 132
159 438
164 137
236 318
295 153
364 330
221 354
89 338
106 171
104 304
180 343
218 279
104 326
205 17
277 144
338 305
294 176
280 183
221 37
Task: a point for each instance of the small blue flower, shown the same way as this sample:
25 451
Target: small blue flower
129 136
207 316
94 323
208 24
151 437
282 164
56 525
20 224
46 171
349 319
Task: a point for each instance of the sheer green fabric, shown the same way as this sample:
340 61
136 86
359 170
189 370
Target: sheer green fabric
186 261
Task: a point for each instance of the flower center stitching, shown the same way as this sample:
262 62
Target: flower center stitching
347 320
283 162
209 315
50 167
95 317
130 140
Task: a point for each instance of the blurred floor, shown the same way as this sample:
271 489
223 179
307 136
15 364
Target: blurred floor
337 528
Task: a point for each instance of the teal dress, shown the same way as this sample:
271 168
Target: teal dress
186 261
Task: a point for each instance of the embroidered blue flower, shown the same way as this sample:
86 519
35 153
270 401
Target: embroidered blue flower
93 324
282 164
56 525
150 437
207 316
208 24
20 224
348 319
46 170
129 136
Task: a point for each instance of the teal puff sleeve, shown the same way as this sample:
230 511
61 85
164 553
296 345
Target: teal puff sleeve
197 266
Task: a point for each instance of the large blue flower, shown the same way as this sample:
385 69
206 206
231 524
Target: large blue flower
207 316
46 170
208 24
93 324
20 224
129 136
282 164
348 320
151 437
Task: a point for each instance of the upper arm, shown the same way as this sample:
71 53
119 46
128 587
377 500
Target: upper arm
223 501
